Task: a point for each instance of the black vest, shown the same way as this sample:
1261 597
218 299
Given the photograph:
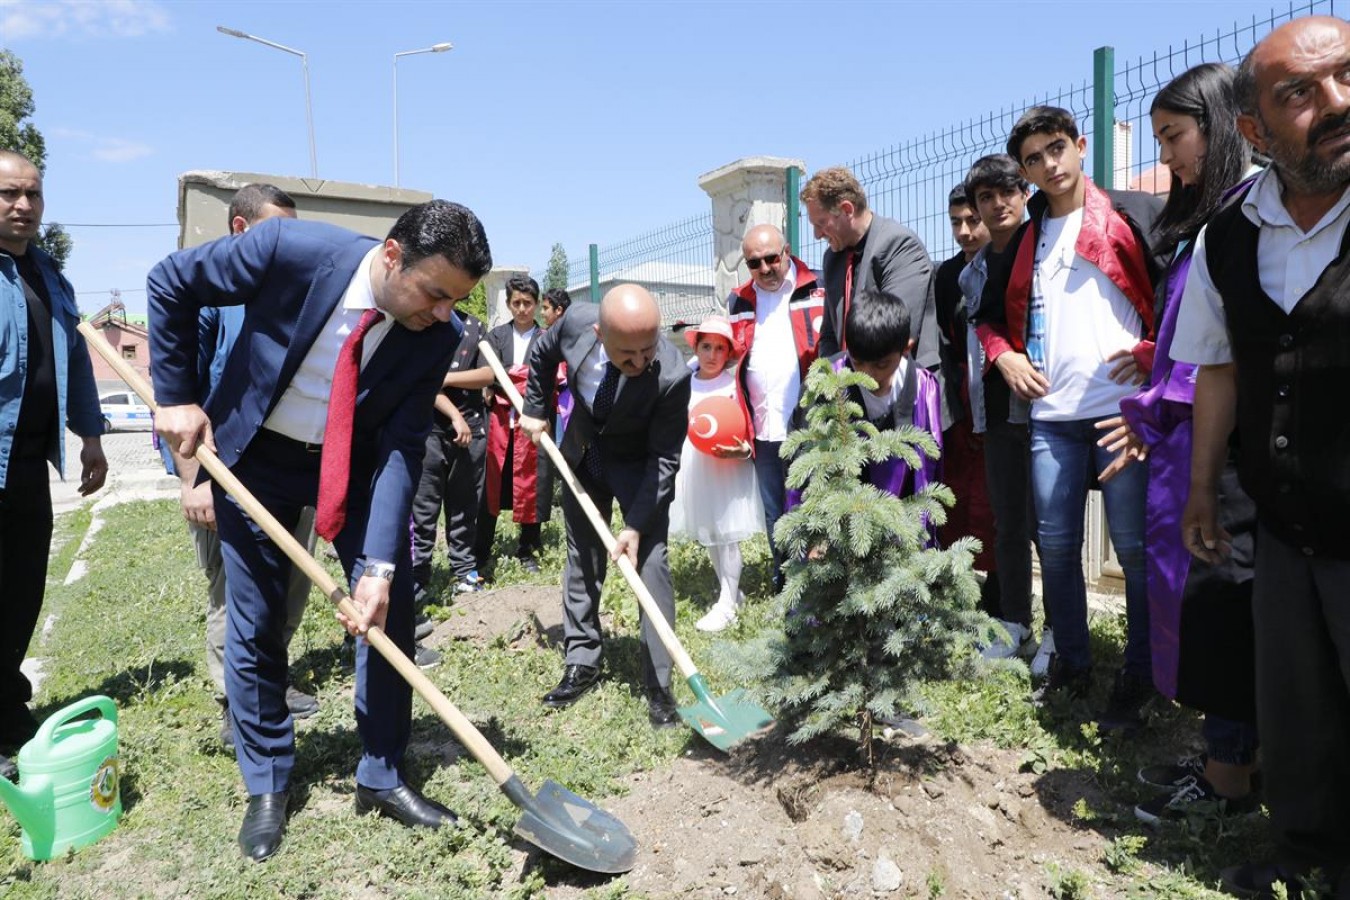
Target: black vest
1293 385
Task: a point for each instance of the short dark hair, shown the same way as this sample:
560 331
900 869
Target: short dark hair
1041 120
442 228
522 284
558 298
1205 93
957 197
877 325
998 171
248 201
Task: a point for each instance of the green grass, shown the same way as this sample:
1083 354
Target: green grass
133 628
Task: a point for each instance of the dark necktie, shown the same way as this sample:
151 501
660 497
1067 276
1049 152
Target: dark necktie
336 463
600 407
848 299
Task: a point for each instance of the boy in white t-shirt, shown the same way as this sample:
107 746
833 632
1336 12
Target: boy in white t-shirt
1072 306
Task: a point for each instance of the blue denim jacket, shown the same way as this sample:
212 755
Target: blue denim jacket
76 393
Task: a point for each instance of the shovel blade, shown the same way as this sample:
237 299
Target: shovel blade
573 829
727 720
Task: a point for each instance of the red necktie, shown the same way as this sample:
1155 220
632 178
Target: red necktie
336 464
848 300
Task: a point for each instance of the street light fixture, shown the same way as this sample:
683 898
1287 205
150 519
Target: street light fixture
304 63
434 48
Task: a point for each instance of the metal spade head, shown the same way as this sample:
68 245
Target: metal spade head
572 828
723 721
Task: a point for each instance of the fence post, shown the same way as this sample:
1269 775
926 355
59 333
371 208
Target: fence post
793 229
1104 117
745 193
595 273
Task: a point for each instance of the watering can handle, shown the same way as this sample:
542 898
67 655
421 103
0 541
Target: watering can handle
98 702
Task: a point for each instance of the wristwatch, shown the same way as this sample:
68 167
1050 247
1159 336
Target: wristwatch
378 569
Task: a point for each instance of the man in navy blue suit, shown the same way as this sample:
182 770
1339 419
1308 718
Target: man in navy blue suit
313 295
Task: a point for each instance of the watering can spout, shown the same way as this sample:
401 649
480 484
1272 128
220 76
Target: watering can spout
29 802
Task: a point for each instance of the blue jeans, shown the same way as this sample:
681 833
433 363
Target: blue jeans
1229 740
1064 458
771 474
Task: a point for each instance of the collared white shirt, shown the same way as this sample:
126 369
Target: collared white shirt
302 411
772 375
1288 261
520 343
592 372
875 407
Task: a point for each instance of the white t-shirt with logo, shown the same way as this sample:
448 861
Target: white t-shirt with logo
1087 318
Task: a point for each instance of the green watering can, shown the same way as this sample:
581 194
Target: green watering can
67 796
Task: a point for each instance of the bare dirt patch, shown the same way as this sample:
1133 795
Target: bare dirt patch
779 821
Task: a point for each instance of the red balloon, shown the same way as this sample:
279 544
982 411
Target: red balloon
717 421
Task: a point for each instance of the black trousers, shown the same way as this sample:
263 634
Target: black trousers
1007 470
1302 617
452 479
25 542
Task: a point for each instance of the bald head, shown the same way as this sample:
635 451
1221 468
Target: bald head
1294 92
767 255
21 203
629 328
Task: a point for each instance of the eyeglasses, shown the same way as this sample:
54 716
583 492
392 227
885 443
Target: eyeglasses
770 260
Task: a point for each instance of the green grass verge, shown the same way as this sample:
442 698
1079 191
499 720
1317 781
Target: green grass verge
133 628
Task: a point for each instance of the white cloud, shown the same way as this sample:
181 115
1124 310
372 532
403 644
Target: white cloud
104 149
80 18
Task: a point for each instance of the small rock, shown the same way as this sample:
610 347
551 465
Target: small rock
853 825
750 856
729 890
886 876
933 789
1026 789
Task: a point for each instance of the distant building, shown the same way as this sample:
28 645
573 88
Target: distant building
684 291
125 333
1156 181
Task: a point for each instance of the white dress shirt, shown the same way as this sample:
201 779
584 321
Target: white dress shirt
592 372
302 411
520 343
772 374
1289 261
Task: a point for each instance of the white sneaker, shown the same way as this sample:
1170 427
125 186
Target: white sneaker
1045 654
1004 647
718 618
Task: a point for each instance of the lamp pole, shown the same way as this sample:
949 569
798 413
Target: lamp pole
434 48
304 64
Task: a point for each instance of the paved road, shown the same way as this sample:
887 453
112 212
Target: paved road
134 472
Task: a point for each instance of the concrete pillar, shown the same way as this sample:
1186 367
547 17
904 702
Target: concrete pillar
494 285
745 193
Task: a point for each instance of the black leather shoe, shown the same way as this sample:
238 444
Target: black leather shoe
404 804
264 825
661 711
576 681
301 705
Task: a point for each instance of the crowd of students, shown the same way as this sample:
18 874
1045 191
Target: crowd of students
1166 353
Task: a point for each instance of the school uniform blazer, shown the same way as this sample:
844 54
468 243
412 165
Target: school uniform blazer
894 260
646 426
289 275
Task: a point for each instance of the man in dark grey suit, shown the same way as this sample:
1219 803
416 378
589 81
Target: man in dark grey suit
623 440
867 252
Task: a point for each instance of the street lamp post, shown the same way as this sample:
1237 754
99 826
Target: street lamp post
304 63
434 48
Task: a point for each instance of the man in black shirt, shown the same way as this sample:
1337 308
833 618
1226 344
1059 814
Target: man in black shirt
46 383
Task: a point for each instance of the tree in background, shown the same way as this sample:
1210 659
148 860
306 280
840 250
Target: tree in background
869 613
475 303
16 105
556 276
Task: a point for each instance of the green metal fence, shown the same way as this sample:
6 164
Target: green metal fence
910 181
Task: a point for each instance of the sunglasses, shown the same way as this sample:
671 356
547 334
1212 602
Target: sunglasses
770 260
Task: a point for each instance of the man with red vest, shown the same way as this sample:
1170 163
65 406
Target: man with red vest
1069 323
775 318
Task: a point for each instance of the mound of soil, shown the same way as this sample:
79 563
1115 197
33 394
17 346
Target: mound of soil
787 822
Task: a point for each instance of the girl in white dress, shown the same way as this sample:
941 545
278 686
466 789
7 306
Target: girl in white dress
716 499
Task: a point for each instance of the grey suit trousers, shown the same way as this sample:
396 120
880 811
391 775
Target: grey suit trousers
587 563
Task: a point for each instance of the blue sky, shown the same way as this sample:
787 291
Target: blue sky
575 122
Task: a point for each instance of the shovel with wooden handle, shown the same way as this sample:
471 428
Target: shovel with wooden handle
724 721
554 820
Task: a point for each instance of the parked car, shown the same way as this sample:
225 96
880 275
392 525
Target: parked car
124 411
